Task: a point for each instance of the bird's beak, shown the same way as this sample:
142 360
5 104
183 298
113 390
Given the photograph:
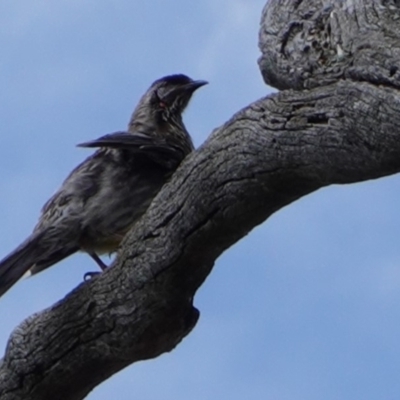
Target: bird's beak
187 89
192 86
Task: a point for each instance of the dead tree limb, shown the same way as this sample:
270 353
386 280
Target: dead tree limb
340 125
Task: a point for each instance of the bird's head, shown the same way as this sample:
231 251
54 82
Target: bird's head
165 100
171 95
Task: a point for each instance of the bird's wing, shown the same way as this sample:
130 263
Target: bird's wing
120 140
162 151
80 185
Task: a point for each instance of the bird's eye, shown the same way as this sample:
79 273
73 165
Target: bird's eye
159 99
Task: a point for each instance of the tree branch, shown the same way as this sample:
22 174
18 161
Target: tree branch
312 43
268 155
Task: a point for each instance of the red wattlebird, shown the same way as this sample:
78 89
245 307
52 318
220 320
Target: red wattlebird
105 195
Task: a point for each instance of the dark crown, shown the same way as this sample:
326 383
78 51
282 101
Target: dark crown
177 79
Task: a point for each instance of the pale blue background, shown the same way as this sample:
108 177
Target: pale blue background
305 307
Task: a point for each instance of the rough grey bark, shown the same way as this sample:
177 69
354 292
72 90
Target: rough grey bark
340 126
308 43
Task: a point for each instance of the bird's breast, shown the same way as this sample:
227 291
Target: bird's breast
102 245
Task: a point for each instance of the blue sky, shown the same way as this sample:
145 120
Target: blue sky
305 307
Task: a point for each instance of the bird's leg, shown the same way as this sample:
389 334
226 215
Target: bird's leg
99 262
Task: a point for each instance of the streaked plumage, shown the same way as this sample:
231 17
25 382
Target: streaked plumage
103 197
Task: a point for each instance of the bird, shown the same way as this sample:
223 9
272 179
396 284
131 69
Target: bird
103 197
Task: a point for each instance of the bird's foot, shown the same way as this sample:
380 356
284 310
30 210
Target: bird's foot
90 275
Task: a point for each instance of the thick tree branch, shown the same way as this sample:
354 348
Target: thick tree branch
268 155
309 43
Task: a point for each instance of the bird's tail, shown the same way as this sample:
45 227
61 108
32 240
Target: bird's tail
35 255
13 266
41 250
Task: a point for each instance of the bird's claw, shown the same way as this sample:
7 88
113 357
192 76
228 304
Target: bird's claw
90 275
